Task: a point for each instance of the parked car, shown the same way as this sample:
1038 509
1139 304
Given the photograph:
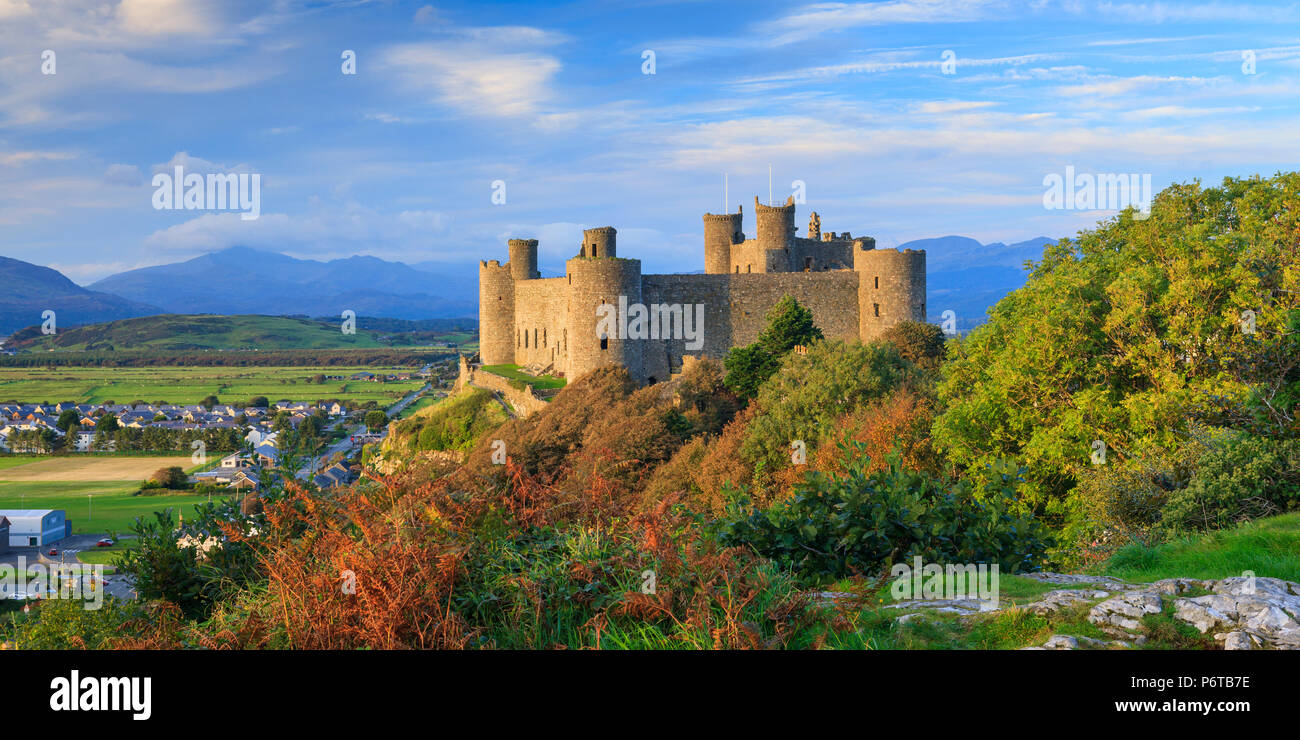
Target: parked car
53 551
106 542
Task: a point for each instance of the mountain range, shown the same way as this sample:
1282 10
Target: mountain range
963 276
27 291
240 280
967 277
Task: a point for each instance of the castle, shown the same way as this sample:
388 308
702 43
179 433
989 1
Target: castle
854 291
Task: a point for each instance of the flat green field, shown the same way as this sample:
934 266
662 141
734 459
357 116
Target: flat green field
189 385
93 507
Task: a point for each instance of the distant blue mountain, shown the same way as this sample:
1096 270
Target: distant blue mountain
241 280
968 278
27 291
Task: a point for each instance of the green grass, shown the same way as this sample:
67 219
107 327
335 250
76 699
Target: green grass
190 332
1269 547
421 403
189 385
105 555
13 461
94 507
513 372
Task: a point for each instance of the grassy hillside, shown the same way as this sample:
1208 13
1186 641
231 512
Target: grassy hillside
1268 547
178 332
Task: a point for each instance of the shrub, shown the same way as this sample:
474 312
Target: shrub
813 390
859 522
172 477
919 343
1237 478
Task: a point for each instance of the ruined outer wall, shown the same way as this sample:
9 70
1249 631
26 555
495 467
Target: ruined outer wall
591 283
496 313
893 288
541 309
522 400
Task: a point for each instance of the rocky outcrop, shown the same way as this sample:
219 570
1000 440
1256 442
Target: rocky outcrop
1241 613
1246 613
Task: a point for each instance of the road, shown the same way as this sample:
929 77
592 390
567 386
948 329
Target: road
345 445
114 585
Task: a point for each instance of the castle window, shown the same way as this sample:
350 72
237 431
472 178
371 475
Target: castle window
877 282
535 344
545 341
604 342
749 268
525 340
737 269
876 307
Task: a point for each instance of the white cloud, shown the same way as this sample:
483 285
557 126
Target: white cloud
127 175
821 19
160 17
475 79
941 107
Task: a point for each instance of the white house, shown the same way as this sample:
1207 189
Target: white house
35 527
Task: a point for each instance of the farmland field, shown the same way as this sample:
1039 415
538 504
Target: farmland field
189 385
81 468
96 492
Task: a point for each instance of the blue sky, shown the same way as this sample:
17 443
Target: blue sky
398 160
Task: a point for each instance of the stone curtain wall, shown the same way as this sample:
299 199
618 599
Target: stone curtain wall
522 400
541 312
736 307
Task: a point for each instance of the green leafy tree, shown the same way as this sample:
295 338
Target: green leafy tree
789 325
375 420
1132 332
69 420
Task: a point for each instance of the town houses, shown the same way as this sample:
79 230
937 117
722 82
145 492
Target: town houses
186 422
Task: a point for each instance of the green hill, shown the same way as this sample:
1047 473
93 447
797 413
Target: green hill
176 332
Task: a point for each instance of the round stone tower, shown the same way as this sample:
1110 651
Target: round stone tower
496 313
599 242
891 287
775 224
523 259
593 283
721 230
